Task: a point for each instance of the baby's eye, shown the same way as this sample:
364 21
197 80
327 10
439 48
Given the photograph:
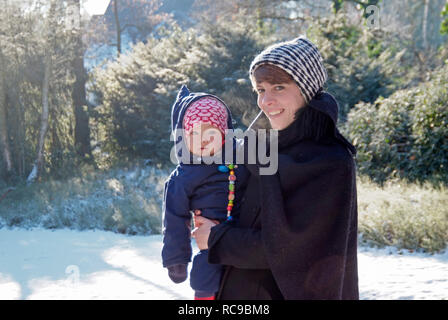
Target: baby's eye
211 132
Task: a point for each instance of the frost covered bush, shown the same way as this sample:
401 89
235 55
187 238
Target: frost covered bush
126 201
135 93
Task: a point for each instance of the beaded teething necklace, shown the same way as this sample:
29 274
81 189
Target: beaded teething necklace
232 178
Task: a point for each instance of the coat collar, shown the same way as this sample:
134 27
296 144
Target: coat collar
326 103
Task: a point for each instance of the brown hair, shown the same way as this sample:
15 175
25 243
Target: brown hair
271 74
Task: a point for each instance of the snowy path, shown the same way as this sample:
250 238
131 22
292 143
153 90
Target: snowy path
64 264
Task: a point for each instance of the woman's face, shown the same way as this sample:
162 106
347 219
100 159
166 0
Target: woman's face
279 102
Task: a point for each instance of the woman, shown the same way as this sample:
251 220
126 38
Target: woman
297 234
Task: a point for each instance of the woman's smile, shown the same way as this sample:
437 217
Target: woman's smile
275 113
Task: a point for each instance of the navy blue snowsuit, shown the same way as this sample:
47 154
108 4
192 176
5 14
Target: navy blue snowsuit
195 186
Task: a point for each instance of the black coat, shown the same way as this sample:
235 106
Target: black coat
297 234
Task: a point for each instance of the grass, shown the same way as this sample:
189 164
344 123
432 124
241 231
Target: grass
125 200
129 201
403 215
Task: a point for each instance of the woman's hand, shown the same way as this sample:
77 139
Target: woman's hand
201 231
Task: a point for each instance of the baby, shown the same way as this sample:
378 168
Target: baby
214 189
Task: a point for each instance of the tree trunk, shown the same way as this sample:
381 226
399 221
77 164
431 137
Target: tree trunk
37 167
117 24
425 24
21 161
82 129
4 141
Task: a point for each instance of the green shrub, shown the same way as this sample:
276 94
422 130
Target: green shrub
405 135
429 153
362 65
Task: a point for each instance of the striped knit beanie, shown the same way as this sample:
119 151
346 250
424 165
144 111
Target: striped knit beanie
206 110
301 59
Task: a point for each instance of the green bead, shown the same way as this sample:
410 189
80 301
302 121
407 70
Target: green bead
231 187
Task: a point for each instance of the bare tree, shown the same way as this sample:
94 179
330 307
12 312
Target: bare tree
38 164
288 17
37 167
139 15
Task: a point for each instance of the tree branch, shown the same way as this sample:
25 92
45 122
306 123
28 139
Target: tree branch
130 25
6 193
266 16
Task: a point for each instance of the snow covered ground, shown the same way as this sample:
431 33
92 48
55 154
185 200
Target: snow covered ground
65 264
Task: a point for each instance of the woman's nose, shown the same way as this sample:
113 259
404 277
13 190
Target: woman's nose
267 99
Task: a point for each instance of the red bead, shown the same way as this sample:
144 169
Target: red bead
232 177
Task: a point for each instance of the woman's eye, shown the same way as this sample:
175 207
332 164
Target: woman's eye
278 88
260 91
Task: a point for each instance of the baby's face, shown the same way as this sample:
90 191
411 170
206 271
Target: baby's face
204 140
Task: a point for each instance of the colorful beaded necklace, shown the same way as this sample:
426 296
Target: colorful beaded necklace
232 178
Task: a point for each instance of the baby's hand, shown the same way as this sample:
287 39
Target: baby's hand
178 273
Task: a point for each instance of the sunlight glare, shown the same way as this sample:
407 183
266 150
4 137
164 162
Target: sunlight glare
95 7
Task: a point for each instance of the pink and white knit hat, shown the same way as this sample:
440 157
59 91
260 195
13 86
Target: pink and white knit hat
206 110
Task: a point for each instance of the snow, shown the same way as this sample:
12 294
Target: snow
391 274
67 264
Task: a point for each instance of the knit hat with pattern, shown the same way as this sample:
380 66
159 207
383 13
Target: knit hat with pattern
301 59
206 110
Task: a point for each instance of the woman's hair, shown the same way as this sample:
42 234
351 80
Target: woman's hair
312 124
271 74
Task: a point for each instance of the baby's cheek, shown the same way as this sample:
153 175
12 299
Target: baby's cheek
217 144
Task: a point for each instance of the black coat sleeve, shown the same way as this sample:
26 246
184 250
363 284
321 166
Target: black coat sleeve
309 221
238 247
